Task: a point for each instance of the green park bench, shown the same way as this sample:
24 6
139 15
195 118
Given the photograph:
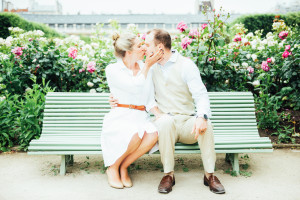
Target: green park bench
73 121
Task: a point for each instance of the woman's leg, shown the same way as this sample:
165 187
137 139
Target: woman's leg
113 170
148 141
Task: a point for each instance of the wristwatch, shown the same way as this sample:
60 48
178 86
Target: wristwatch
204 116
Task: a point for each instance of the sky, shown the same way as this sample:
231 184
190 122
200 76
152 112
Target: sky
154 6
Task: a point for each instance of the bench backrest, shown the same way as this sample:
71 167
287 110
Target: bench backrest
81 114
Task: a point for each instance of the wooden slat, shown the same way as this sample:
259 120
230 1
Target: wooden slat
73 122
91 98
87 110
213 101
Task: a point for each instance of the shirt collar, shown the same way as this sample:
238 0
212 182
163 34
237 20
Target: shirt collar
122 65
174 56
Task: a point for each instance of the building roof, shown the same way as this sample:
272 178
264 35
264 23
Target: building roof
124 18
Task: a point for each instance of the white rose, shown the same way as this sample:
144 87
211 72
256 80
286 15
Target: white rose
83 58
281 44
8 41
273 60
93 91
249 35
2 41
95 45
254 57
269 35
39 33
253 42
248 56
90 84
245 64
256 83
227 81
260 48
34 60
244 40
264 42
271 43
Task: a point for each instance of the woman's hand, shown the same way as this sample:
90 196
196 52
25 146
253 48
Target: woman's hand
154 58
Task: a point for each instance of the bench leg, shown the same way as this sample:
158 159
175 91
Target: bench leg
235 164
63 165
69 160
233 158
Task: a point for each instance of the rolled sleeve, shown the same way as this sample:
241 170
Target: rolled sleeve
193 79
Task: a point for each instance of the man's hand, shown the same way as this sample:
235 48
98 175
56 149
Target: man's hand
157 116
199 127
113 102
157 113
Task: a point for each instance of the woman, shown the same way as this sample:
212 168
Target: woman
127 133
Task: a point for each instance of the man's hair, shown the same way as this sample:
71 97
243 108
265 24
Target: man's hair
161 36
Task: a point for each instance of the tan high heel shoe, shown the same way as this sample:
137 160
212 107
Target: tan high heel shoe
127 184
117 185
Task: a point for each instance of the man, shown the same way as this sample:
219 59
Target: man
178 90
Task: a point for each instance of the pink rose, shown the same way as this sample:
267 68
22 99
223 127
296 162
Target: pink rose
237 37
17 51
194 33
283 34
286 54
264 66
269 60
185 42
73 52
91 66
250 69
211 59
144 36
181 26
81 70
203 26
287 47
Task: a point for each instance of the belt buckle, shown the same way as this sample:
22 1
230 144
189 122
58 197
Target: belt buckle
131 106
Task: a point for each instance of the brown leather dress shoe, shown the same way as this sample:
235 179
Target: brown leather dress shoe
214 184
166 184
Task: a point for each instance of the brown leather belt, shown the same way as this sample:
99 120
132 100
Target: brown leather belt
141 108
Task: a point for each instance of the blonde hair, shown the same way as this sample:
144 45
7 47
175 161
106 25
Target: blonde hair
123 43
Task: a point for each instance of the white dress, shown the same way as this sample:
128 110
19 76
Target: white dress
120 124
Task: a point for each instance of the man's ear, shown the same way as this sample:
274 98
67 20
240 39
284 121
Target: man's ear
160 46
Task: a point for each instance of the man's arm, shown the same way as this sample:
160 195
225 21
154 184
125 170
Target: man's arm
191 76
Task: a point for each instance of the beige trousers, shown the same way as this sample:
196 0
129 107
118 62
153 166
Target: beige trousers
178 128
